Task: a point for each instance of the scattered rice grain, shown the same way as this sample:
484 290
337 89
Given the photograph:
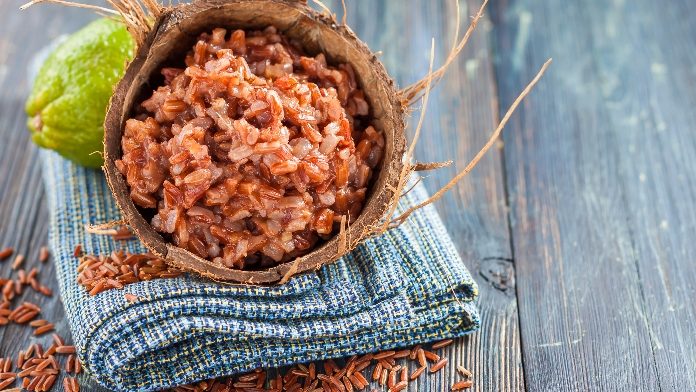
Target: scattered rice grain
461 385
18 261
399 387
7 382
77 252
377 372
65 350
43 329
431 356
38 323
421 357
383 378
44 254
439 365
384 354
442 343
417 373
6 252
464 371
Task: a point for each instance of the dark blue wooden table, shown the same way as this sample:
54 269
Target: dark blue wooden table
580 228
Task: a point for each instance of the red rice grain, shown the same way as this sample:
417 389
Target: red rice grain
77 252
70 364
362 366
392 379
439 365
461 385
48 383
399 387
312 371
43 365
385 364
417 373
45 291
431 356
421 357
18 287
65 350
43 329
44 254
58 340
29 352
7 382
377 372
7 366
464 371
383 378
18 261
366 358
442 343
38 323
414 351
360 379
70 384
8 292
334 378
100 273
347 384
26 317
35 382
51 350
26 372
6 252
384 354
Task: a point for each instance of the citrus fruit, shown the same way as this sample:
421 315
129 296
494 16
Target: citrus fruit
67 105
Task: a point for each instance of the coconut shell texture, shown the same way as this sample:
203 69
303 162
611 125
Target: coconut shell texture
173 34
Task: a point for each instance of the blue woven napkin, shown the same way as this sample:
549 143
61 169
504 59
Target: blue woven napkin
406 287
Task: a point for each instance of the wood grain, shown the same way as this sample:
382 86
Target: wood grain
600 168
23 211
462 113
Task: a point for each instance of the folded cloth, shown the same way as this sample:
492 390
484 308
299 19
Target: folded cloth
408 286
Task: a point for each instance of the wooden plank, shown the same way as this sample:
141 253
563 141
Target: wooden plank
462 112
601 178
23 214
651 100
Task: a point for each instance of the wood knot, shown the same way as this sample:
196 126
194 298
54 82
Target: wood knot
499 272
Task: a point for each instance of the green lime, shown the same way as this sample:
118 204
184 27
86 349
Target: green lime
68 103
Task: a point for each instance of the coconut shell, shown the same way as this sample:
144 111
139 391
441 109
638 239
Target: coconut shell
173 34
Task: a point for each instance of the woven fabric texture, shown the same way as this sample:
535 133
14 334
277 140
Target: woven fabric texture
406 287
